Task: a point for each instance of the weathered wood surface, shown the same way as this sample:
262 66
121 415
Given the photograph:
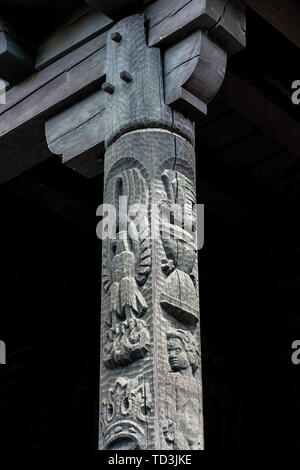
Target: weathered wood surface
77 130
30 112
68 61
38 80
223 20
150 308
194 71
80 31
283 14
82 71
74 33
55 93
196 63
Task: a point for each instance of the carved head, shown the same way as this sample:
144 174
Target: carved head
182 350
118 329
131 323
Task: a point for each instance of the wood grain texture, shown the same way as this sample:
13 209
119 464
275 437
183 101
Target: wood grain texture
194 67
82 30
23 123
223 20
149 283
55 93
189 85
38 80
79 131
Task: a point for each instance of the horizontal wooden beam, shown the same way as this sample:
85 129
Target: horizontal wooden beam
78 32
69 78
59 68
282 14
223 20
22 123
78 133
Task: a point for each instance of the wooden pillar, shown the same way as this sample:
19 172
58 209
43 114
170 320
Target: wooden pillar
151 395
163 67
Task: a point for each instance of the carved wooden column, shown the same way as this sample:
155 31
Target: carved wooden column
150 362
151 389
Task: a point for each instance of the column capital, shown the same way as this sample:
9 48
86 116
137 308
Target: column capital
194 39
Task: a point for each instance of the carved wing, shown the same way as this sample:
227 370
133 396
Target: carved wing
139 226
131 184
107 263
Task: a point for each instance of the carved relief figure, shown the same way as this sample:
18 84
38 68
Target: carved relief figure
178 232
126 269
125 413
126 342
182 428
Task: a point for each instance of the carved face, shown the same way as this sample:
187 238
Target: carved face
131 324
178 357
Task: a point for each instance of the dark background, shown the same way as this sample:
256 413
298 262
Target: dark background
249 284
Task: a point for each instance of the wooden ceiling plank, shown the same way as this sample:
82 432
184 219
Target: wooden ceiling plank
74 35
39 79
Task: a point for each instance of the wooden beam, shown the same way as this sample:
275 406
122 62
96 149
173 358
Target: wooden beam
194 70
38 80
81 71
78 133
169 21
56 93
22 124
16 63
223 20
283 14
74 34
260 110
80 31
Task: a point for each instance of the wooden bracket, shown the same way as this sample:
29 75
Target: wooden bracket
194 71
195 66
